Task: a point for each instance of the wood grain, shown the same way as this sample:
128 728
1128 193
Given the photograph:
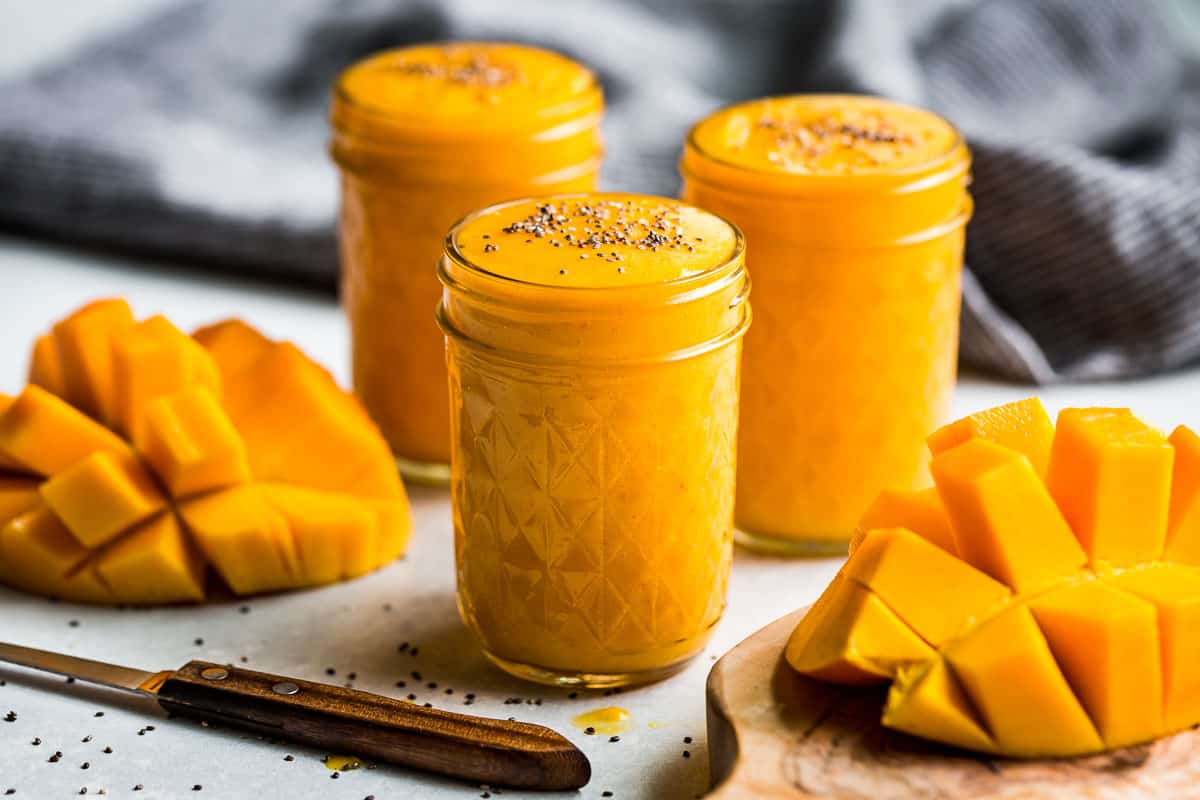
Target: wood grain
774 734
475 749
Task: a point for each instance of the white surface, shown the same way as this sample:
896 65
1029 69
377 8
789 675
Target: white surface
347 627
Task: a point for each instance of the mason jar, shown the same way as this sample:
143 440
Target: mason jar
594 343
422 136
853 210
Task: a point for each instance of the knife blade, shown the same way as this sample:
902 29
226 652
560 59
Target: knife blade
476 749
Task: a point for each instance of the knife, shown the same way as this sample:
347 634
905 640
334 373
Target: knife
476 749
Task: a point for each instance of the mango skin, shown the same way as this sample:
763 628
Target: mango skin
138 466
1062 616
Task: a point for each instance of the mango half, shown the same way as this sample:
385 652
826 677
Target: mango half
1041 600
140 462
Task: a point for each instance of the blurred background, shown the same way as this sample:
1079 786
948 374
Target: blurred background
196 132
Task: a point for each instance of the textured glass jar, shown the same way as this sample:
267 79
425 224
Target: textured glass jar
594 397
853 210
423 135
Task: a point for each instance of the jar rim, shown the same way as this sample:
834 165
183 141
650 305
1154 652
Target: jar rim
683 286
956 145
417 124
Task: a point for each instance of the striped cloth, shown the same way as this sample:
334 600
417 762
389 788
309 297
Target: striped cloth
200 134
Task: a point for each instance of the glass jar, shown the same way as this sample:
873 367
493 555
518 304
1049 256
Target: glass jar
594 344
424 135
854 211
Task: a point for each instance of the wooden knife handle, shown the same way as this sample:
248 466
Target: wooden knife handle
349 722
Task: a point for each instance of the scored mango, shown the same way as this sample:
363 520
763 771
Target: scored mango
140 463
1064 617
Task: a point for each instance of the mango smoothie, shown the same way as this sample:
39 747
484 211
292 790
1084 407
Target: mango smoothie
594 344
854 210
424 135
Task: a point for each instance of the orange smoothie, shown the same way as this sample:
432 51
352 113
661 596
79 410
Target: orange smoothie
854 210
424 135
593 346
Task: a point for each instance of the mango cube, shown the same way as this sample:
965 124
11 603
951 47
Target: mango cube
1183 518
1175 593
896 565
45 367
1106 642
83 342
927 700
102 496
46 436
245 539
154 564
38 553
151 359
17 494
192 446
1005 521
1023 426
870 643
1110 473
920 511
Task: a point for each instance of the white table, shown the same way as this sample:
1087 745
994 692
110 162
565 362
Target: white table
347 627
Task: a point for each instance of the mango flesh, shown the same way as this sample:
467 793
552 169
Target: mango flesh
138 464
1110 473
190 443
1065 620
1023 426
1005 522
920 511
83 344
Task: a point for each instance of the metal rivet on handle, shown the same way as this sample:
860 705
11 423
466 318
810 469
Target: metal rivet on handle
215 674
285 688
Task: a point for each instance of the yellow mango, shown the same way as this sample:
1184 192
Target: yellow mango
151 359
851 636
246 540
1023 426
337 536
300 428
1106 643
154 564
84 345
920 511
896 565
1098 645
38 553
7 462
927 700
46 436
17 494
102 496
1183 518
1005 521
395 527
85 516
1175 593
45 367
192 446
233 345
1110 473
1011 677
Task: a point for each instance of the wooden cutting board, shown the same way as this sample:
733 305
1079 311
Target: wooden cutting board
773 734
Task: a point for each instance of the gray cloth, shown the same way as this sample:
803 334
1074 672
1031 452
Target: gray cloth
200 134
